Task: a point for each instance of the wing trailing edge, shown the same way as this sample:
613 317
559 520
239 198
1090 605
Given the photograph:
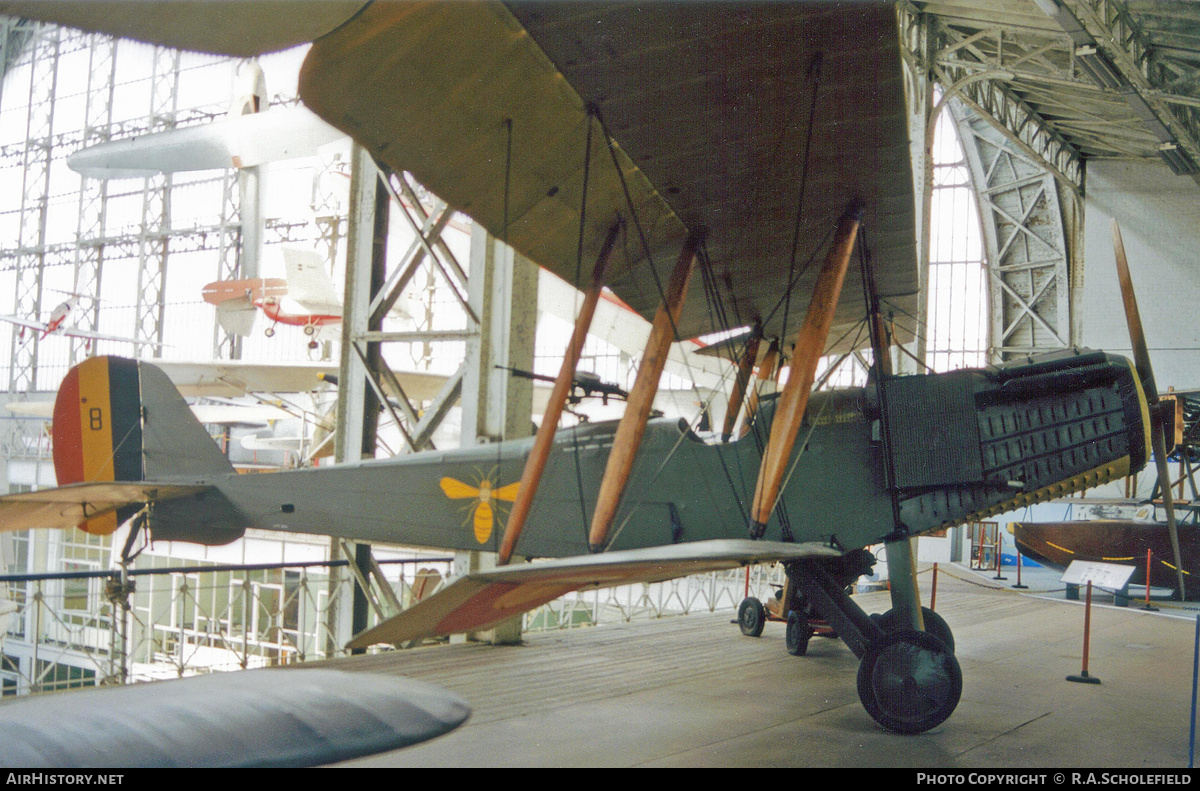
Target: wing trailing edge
483 599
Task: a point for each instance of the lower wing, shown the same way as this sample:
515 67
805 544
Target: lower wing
483 599
68 506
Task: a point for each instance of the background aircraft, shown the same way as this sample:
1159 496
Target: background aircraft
308 298
56 324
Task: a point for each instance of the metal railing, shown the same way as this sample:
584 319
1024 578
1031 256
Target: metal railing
74 629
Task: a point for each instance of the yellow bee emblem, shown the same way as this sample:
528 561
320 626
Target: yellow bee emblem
482 511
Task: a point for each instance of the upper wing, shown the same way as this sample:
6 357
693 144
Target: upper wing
479 600
708 105
240 141
243 29
271 717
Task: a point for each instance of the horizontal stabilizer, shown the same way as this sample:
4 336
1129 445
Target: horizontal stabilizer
255 718
483 599
68 506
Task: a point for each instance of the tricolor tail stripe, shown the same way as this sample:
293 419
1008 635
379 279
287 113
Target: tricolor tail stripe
98 430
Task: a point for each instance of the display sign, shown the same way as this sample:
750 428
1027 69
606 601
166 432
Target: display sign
1110 576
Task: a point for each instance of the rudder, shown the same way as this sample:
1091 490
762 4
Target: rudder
117 419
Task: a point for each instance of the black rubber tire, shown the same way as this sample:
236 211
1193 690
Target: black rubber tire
798 634
751 617
909 682
934 624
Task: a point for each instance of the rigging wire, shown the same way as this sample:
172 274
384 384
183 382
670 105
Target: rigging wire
814 70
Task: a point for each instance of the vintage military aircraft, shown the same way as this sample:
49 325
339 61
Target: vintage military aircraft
746 141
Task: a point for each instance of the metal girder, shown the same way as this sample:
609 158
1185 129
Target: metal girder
156 207
415 423
1113 28
93 193
43 52
1010 115
1026 247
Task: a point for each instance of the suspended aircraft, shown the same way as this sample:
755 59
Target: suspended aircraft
306 298
763 146
56 324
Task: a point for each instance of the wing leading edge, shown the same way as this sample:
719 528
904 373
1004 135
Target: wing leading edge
483 599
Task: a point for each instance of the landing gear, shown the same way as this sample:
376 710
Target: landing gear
909 682
934 624
798 634
751 617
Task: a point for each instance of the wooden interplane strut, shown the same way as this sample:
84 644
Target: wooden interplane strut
745 368
641 396
544 443
766 373
805 354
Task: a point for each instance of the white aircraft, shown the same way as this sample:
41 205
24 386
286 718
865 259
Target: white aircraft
56 325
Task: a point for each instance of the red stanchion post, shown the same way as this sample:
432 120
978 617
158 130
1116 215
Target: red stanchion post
1083 677
1018 551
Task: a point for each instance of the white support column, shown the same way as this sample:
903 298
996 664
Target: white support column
502 291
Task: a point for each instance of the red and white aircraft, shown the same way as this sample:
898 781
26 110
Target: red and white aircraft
307 298
56 325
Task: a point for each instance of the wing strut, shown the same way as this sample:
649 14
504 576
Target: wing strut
745 365
641 395
766 373
1158 420
805 355
536 463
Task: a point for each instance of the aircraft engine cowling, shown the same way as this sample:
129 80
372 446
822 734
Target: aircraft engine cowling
974 444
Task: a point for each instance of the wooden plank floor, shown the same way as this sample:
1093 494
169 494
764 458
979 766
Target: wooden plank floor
692 691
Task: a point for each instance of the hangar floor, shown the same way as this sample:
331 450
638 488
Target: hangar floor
692 691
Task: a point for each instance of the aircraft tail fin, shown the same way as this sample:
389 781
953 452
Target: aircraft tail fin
120 420
308 282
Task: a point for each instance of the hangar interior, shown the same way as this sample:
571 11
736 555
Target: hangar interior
1033 125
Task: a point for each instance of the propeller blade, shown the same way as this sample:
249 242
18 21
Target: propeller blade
1158 428
1137 336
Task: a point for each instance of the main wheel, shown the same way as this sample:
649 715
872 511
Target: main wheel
798 634
934 624
909 682
751 617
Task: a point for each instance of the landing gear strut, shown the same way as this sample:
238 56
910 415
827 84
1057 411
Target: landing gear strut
908 681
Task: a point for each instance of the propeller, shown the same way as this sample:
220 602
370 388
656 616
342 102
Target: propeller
1160 420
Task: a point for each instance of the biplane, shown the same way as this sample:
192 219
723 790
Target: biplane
761 146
